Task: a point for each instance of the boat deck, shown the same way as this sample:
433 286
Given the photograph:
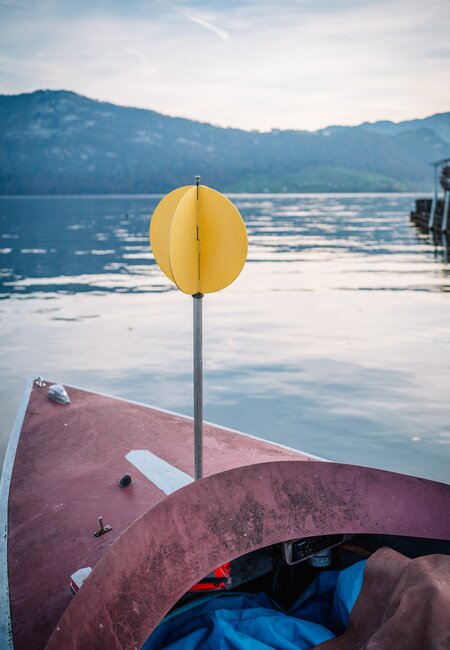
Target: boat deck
67 465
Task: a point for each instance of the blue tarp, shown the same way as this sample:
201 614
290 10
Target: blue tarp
237 621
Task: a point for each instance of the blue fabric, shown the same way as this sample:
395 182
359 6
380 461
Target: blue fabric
329 599
347 591
234 621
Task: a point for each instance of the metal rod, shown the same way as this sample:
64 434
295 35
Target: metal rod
434 202
197 222
198 387
444 227
198 359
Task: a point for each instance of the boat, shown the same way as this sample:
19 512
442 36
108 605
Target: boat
126 526
259 506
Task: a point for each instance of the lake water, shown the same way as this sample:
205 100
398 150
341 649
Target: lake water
335 339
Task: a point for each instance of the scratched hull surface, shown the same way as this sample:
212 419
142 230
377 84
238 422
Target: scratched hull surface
68 462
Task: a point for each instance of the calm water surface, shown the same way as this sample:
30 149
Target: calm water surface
335 339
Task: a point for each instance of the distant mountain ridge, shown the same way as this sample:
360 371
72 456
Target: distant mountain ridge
439 123
58 142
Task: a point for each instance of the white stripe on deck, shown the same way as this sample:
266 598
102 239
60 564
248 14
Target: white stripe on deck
164 475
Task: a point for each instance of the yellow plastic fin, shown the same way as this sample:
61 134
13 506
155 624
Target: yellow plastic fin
160 226
223 241
183 246
198 239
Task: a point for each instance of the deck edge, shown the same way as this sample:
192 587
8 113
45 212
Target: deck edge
189 417
6 638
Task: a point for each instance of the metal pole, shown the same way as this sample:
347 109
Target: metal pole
198 386
444 240
444 227
198 361
434 202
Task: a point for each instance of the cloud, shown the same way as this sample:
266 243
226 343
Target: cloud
292 64
203 22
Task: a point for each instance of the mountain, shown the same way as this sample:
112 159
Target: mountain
439 124
58 142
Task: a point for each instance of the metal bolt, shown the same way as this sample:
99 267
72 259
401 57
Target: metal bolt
103 528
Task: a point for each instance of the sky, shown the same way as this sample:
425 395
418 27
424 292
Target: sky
291 64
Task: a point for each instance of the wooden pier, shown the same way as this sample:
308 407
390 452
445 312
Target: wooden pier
423 212
434 214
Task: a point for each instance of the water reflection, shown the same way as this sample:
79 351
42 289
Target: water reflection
334 339
440 243
101 244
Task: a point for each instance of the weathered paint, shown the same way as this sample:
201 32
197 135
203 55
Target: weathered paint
214 520
272 443
68 462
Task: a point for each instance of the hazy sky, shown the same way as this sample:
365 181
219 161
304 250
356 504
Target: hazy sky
300 64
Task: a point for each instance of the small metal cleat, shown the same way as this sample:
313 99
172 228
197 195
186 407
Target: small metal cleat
103 529
57 393
39 381
125 481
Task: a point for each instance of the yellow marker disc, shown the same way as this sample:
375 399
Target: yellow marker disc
160 228
183 248
198 239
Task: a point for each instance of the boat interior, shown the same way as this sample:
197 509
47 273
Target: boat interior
284 571
311 584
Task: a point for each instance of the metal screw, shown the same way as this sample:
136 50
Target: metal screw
103 528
